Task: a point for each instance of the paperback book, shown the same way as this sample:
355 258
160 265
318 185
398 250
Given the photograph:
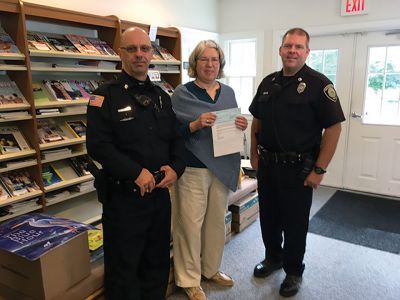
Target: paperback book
37 41
78 128
49 131
82 44
50 175
10 93
102 47
18 182
7 44
80 164
59 43
12 140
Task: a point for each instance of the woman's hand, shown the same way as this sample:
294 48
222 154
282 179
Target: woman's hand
241 122
206 119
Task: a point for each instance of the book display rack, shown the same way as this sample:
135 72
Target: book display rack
45 82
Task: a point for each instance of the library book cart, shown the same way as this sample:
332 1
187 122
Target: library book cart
42 135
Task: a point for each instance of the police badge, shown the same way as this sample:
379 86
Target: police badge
301 87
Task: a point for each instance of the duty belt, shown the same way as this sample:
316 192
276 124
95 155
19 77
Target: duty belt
282 157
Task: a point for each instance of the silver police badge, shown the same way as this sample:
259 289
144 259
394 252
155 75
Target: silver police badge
330 92
301 87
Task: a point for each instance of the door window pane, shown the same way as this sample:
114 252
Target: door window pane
382 96
324 61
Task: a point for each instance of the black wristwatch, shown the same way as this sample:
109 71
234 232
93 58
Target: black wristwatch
319 170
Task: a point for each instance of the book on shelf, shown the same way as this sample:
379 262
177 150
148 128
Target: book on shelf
76 109
12 140
7 44
8 115
100 64
56 153
48 111
4 194
15 163
50 175
78 128
37 41
60 43
10 93
84 186
82 44
102 47
18 182
20 207
165 54
80 164
57 195
49 131
39 95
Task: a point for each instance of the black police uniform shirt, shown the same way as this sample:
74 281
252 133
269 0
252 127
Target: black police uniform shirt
296 109
126 136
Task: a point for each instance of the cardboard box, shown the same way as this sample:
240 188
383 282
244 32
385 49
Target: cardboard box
228 221
50 275
244 208
236 227
248 185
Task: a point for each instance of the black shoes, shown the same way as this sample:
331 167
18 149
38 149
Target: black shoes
290 286
266 268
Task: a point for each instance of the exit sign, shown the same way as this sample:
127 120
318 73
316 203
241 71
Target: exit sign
354 7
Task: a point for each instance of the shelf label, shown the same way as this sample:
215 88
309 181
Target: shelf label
153 33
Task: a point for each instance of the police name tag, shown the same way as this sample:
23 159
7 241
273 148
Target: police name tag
128 108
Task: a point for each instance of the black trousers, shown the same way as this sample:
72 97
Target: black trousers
284 212
136 245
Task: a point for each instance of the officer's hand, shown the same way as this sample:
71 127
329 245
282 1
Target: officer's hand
145 182
254 160
313 180
169 179
241 122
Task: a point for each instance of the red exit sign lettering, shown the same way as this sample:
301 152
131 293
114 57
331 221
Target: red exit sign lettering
354 7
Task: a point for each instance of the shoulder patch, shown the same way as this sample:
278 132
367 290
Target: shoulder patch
96 100
330 92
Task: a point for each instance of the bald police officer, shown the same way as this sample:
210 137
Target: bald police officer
291 109
132 133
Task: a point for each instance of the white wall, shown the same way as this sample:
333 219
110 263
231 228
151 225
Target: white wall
271 15
193 14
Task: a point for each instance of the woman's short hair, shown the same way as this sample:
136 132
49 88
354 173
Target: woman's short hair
198 51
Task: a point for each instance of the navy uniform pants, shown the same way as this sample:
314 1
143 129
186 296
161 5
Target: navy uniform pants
136 245
284 212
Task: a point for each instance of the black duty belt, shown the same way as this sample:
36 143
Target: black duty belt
282 157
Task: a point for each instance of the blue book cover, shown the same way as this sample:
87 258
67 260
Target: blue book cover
32 235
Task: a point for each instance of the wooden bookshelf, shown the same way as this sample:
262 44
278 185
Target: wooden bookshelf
17 18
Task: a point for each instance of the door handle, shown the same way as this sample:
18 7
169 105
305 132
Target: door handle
355 115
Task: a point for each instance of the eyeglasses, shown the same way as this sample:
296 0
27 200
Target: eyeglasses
135 49
204 60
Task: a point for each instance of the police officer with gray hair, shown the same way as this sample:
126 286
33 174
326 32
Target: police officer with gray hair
294 133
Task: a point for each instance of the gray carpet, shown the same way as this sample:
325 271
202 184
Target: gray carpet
360 219
335 270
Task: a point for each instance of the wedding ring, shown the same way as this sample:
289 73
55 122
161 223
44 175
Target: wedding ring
208 121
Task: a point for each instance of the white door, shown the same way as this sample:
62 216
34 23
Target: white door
373 153
333 56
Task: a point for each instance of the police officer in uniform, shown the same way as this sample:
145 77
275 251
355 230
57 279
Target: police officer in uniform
291 109
132 134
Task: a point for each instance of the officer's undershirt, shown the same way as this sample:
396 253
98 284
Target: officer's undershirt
202 95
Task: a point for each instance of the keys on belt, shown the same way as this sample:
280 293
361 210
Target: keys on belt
282 157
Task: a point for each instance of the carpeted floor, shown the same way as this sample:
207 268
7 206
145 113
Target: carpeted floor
359 219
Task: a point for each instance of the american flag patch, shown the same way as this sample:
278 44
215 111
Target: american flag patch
96 100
